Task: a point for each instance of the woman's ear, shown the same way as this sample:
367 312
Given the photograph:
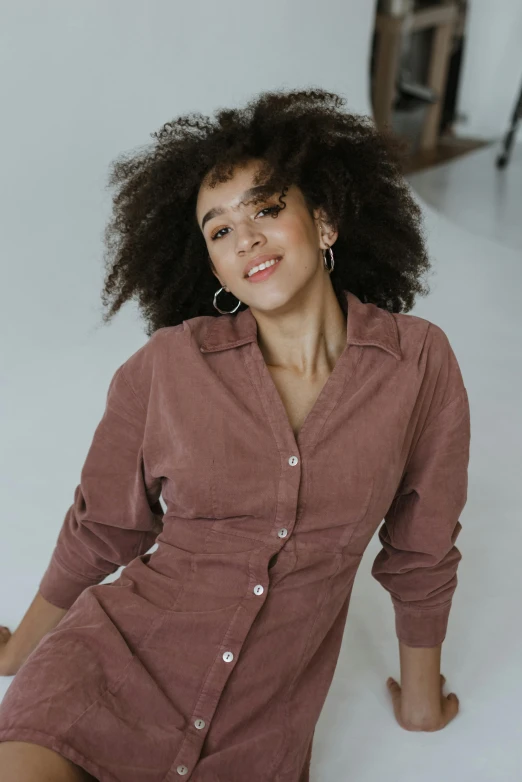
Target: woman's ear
326 230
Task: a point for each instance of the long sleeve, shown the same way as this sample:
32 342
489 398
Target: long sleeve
418 561
116 514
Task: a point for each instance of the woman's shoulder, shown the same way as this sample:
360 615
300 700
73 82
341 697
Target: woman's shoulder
420 334
171 338
427 346
167 346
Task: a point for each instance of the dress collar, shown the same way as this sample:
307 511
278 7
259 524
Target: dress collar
367 324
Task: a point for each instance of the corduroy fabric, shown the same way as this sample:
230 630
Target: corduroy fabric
210 658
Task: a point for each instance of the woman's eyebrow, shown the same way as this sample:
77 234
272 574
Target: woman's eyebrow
219 210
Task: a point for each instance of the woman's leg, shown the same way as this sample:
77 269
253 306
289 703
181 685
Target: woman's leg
22 761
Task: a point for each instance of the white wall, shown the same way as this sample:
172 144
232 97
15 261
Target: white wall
492 68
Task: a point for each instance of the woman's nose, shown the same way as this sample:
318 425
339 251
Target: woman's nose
246 238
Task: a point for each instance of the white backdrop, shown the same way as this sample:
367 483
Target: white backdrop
82 82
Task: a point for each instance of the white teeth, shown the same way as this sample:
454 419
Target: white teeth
255 269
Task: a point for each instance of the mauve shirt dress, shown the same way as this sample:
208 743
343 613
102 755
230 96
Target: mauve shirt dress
210 658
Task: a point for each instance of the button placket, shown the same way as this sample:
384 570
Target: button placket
292 461
228 656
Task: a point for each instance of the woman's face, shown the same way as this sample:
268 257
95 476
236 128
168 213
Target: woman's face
239 232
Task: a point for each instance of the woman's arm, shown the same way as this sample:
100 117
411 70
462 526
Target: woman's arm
418 560
420 703
420 682
40 618
116 514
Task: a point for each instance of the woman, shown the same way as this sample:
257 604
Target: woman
279 434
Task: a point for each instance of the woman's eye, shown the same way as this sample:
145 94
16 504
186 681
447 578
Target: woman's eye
265 209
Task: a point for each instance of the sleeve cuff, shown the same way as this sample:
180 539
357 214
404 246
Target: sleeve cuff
421 626
60 587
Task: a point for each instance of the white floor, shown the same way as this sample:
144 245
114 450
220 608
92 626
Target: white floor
476 195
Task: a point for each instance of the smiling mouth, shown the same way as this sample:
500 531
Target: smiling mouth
262 268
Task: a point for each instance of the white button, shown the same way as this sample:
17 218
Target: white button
182 770
228 657
293 460
199 724
283 532
259 589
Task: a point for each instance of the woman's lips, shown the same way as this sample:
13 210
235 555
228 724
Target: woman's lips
263 274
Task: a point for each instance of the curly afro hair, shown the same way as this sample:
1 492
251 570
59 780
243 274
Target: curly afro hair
156 252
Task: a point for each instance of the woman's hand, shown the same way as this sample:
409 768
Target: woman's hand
425 720
7 667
